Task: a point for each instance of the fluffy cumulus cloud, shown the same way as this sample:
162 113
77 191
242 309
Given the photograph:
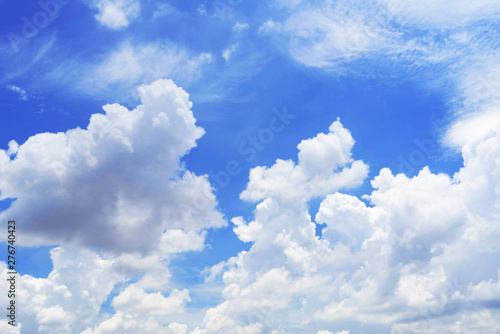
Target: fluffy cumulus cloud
117 185
287 263
398 261
122 323
393 260
116 14
120 203
70 298
324 164
416 255
138 311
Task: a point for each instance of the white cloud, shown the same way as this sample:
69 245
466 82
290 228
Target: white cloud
479 113
121 176
226 53
69 299
323 34
55 319
325 164
13 148
202 10
262 284
473 127
116 14
238 29
396 264
216 321
144 63
326 152
177 241
137 301
126 323
460 41
348 219
22 94
246 232
117 187
331 35
8 329
240 26
165 10
269 26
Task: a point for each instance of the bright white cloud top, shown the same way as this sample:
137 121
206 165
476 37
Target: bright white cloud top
119 202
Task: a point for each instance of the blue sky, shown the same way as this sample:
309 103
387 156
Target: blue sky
234 166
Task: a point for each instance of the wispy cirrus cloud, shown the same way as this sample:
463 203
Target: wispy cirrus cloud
460 41
319 33
21 93
144 63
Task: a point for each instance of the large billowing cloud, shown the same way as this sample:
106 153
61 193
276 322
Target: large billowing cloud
69 300
117 185
70 297
422 256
